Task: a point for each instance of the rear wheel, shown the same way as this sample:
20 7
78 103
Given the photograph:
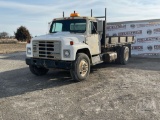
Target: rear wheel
124 55
39 71
81 67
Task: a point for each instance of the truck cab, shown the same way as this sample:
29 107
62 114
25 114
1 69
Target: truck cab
74 43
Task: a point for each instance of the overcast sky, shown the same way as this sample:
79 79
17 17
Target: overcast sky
35 14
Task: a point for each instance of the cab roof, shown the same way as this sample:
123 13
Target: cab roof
81 17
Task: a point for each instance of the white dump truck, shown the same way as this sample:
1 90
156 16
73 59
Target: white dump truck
76 43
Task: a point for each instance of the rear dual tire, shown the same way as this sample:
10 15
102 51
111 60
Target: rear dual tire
123 54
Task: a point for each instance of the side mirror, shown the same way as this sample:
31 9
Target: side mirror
100 26
49 25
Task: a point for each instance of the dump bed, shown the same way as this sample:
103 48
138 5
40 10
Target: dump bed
111 41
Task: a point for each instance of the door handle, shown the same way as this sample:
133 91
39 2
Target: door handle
88 36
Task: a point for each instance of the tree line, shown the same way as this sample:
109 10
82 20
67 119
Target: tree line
22 34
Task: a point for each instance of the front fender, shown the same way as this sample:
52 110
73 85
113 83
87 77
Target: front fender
73 50
80 47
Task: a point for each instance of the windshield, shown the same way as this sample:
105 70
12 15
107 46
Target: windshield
75 26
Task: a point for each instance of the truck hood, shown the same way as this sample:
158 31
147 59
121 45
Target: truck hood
62 36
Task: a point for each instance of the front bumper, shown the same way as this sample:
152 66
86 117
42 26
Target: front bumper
49 63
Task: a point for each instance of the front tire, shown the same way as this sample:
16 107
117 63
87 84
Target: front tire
38 71
81 67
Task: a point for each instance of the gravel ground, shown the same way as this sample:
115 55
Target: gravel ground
112 92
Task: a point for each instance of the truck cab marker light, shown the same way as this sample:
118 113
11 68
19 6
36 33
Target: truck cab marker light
71 43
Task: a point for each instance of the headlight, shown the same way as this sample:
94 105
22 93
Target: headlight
66 53
28 50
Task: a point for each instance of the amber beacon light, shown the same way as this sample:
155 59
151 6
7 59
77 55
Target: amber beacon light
74 14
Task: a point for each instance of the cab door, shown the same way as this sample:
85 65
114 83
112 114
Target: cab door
93 39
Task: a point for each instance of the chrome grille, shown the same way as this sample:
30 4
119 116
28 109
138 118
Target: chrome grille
46 49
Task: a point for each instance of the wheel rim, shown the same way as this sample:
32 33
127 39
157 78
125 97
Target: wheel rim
126 54
83 67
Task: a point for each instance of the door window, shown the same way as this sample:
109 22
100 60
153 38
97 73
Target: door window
93 28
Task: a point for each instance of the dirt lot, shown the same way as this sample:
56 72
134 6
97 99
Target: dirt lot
112 92
8 48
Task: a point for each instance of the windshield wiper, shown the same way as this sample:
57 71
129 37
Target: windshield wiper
53 32
72 32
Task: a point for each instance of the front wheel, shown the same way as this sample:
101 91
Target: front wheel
39 71
81 67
